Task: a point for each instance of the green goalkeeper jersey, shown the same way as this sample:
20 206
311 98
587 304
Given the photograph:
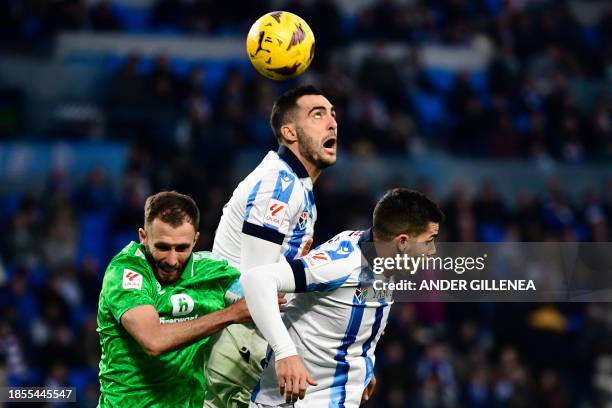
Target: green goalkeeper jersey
128 376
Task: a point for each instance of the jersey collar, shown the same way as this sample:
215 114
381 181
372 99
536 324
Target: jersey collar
292 161
188 271
366 244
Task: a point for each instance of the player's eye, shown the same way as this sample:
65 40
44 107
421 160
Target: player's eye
182 248
162 247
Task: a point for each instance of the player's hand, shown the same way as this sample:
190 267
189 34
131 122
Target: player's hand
369 390
306 248
240 312
293 378
282 302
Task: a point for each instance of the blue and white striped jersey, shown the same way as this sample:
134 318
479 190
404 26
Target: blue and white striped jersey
335 323
274 202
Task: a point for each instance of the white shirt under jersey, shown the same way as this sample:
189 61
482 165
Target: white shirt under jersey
274 203
335 323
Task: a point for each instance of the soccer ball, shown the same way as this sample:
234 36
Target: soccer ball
280 45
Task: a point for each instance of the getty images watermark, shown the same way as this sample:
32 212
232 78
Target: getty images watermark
506 272
459 265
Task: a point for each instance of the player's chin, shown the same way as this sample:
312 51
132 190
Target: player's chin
327 157
168 276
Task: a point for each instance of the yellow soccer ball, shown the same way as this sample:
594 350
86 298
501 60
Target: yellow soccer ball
280 45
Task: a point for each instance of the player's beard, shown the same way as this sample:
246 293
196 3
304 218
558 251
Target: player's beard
160 266
312 151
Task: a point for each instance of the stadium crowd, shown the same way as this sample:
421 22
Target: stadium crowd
542 97
546 65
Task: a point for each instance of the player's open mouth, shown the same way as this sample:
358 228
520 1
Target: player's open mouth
329 145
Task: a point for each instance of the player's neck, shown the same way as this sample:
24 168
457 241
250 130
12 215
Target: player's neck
313 171
383 248
298 163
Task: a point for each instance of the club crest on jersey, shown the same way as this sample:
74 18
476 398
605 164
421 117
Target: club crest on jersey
275 213
361 294
132 280
303 221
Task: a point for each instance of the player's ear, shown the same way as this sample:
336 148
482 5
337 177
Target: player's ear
289 133
402 241
197 236
142 235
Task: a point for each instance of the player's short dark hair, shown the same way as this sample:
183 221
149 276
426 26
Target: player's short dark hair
284 107
172 208
404 211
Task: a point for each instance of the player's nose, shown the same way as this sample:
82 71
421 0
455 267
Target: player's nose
172 258
333 125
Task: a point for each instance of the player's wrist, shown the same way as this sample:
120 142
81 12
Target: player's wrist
281 353
238 313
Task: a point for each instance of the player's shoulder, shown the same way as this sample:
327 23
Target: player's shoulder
273 166
132 255
129 268
210 265
343 239
270 173
204 257
341 249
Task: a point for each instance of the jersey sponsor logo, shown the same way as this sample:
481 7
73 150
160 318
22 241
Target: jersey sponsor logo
166 320
317 259
275 213
303 220
361 295
132 280
182 304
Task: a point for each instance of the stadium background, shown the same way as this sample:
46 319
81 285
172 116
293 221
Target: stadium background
500 110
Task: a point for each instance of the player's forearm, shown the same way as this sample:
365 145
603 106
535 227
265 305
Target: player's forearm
173 336
261 286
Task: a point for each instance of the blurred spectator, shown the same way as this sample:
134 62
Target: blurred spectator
436 375
12 354
65 15
96 193
103 18
59 234
461 225
21 242
169 14
491 213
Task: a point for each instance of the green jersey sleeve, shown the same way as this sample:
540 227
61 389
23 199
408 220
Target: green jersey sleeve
125 286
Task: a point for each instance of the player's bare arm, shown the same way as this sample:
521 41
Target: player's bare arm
142 323
369 390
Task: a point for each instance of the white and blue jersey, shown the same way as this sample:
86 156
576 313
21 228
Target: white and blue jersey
335 322
274 202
